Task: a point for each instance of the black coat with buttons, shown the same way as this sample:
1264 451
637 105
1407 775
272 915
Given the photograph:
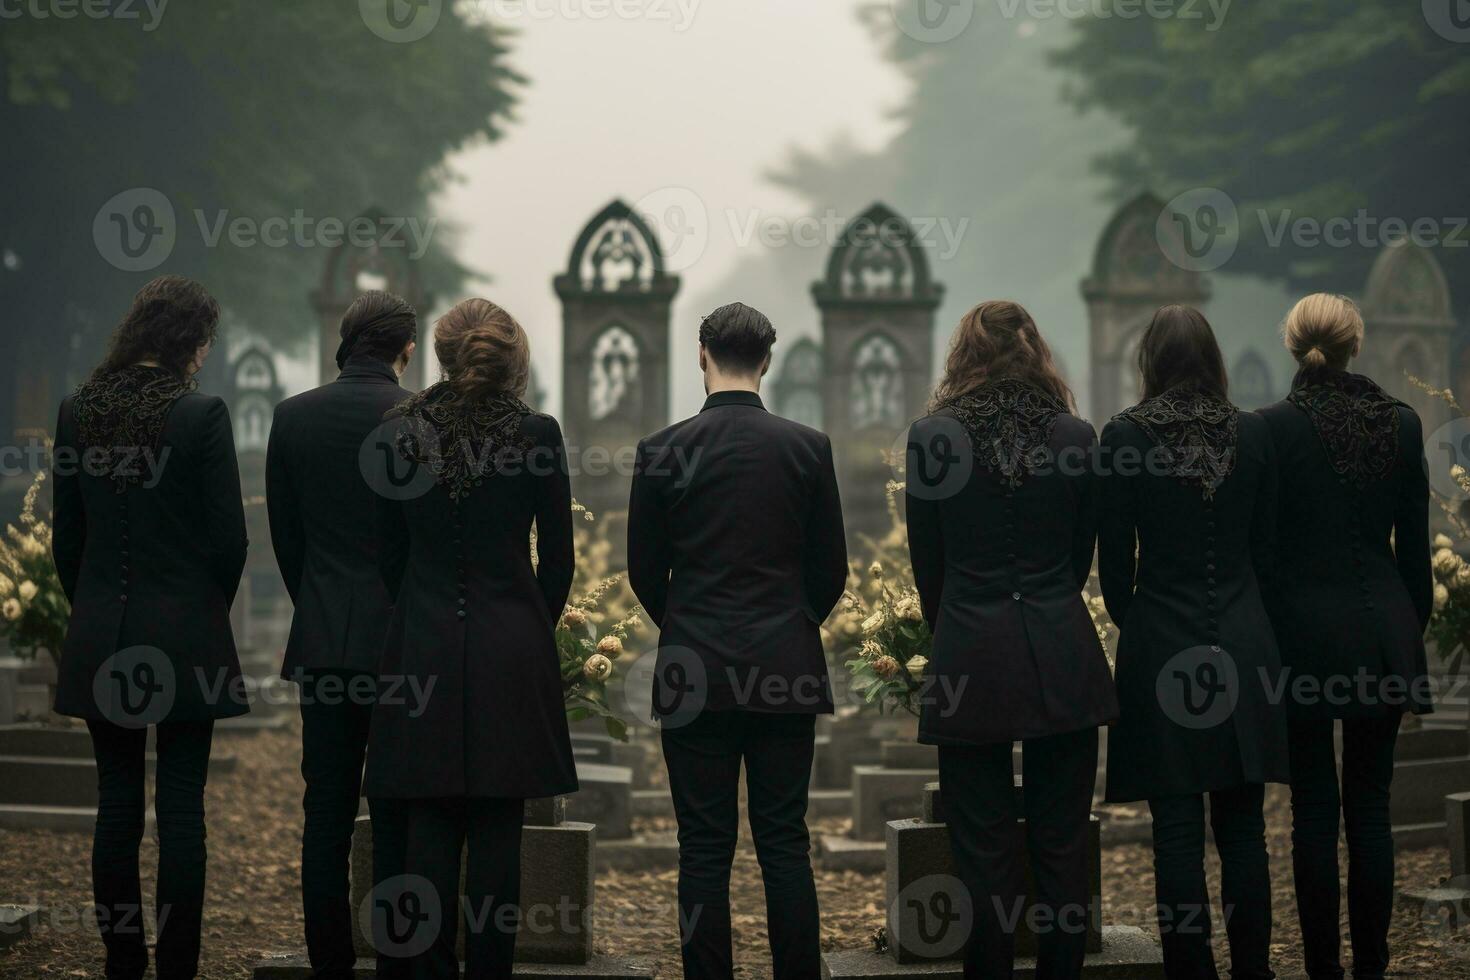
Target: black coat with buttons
155 565
1198 670
1000 571
1352 589
474 618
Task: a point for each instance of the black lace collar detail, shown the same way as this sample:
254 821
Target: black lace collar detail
1357 421
1009 423
1196 435
122 413
462 441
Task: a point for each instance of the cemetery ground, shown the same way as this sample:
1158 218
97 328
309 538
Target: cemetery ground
254 904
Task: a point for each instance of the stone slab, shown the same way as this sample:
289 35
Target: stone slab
1128 953
908 755
880 795
923 891
829 802
605 798
54 819
836 852
651 852
1433 741
547 811
1457 827
16 923
290 966
1420 786
652 803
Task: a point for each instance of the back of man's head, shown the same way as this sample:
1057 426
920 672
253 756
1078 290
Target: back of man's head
737 338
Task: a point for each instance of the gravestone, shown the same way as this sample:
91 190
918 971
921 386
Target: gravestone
616 297
557 902
605 798
796 390
927 907
877 302
1131 277
1408 322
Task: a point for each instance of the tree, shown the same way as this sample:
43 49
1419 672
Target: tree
1311 107
230 109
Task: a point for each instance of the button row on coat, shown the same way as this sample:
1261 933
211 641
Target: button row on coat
1357 537
1210 591
122 553
1011 537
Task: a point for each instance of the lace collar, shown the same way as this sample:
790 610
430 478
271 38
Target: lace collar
1357 422
462 441
1196 435
121 414
1009 423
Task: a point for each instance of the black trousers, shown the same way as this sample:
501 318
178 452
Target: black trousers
1058 774
1245 882
334 730
438 831
178 803
1367 772
703 758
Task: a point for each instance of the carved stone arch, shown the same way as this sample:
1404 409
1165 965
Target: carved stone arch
877 257
1406 282
614 374
876 369
1407 326
616 240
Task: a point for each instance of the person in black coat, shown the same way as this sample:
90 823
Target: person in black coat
1001 508
1350 597
471 721
1188 523
149 543
736 551
322 516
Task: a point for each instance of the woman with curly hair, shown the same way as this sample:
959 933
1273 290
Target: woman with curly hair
472 628
149 543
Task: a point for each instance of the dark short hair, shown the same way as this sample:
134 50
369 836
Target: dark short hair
738 337
377 324
170 319
1178 349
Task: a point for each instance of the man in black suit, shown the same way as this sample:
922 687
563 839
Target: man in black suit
736 551
322 516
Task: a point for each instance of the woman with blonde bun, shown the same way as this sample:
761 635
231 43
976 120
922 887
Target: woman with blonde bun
1350 597
477 725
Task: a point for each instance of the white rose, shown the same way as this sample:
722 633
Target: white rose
28 590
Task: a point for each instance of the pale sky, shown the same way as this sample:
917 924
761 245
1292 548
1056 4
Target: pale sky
633 108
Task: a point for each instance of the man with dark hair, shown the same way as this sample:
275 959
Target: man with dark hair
736 550
322 517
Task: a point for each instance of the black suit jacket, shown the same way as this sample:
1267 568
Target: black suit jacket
154 566
736 550
1181 578
322 514
1347 601
1000 573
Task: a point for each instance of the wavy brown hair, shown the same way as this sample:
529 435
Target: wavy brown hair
483 350
1178 350
998 339
170 319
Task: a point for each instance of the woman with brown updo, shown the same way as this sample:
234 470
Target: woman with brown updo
470 721
1351 595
